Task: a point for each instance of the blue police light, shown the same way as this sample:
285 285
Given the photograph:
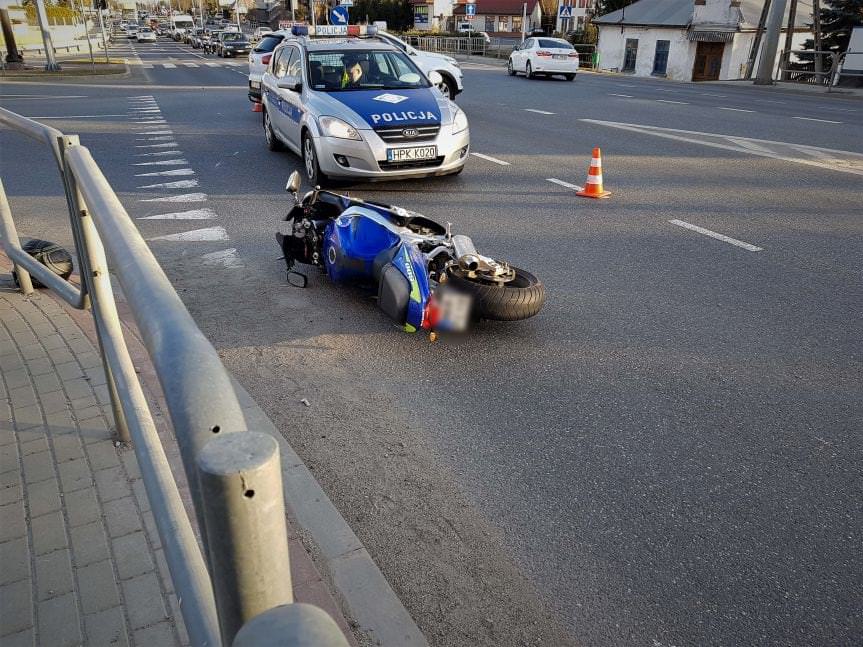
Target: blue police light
300 30
371 30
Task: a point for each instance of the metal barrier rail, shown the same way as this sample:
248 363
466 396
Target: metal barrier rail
496 47
235 478
830 77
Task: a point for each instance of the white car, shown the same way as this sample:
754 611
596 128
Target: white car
132 31
146 34
259 59
544 56
428 62
260 32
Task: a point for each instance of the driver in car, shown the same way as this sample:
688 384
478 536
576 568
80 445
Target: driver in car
353 72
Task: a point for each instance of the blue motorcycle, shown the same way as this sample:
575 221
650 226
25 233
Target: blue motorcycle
425 277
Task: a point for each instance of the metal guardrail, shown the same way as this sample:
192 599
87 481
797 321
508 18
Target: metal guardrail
809 73
234 474
495 47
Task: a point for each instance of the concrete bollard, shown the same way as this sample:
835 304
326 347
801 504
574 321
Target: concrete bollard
244 511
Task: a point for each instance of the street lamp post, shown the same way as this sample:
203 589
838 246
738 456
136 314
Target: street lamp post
51 64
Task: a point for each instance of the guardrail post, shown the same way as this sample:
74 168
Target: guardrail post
8 232
244 515
298 625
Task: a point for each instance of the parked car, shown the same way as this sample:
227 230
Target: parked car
544 56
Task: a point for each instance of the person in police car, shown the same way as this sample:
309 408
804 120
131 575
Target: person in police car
353 72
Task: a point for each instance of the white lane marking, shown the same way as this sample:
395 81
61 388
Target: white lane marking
147 109
176 162
44 96
156 138
225 258
153 122
168 66
626 96
626 85
683 103
186 197
713 234
190 64
824 121
77 117
158 153
157 132
736 109
849 163
192 214
147 66
712 94
539 112
567 185
212 64
489 158
165 145
175 171
179 184
207 234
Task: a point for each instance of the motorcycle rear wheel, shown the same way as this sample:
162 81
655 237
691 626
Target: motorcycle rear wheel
521 298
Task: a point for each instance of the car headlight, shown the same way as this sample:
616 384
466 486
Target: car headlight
459 122
332 127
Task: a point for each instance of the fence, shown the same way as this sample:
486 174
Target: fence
493 47
243 588
825 68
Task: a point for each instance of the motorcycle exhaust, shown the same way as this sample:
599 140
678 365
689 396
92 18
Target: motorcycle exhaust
465 252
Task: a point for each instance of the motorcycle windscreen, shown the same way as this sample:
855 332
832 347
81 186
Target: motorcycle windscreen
394 291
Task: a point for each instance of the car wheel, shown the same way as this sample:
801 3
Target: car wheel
528 70
447 88
570 77
273 142
310 161
509 68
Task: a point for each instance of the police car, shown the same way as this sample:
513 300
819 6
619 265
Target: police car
359 108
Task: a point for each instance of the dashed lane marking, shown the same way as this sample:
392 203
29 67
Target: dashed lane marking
567 185
713 234
208 234
176 162
823 121
168 66
682 103
489 158
172 172
539 112
157 132
190 64
158 153
224 258
160 138
179 184
625 96
736 109
165 145
186 197
193 214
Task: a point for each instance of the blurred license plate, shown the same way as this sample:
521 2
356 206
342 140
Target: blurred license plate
455 309
560 57
411 154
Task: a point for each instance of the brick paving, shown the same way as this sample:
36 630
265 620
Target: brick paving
80 562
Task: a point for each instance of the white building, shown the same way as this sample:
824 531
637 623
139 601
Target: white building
432 15
688 40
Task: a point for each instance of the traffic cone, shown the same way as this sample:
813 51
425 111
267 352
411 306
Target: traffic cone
257 107
593 186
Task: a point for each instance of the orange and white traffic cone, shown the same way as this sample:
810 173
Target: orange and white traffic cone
257 107
593 187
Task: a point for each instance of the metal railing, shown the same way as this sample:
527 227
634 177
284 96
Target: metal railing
234 474
825 68
493 48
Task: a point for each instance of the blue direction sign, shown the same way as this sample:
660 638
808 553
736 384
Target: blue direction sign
339 15
470 9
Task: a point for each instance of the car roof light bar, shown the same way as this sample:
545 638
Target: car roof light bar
335 30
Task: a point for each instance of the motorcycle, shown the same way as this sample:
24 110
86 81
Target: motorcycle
426 278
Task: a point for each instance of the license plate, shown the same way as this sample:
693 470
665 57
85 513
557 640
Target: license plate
560 57
455 309
411 154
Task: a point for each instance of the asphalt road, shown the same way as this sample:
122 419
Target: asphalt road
669 454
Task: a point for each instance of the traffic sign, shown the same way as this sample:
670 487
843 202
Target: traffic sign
470 10
339 15
346 3
564 11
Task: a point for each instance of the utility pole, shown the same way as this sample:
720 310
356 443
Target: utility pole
51 64
13 56
816 28
768 52
523 19
99 7
756 42
86 32
789 35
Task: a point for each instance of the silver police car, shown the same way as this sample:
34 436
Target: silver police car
359 108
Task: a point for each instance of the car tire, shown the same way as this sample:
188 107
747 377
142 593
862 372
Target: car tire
528 70
509 68
519 299
273 142
569 77
447 88
310 162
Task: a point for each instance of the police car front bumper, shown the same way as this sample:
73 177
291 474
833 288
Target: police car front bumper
350 158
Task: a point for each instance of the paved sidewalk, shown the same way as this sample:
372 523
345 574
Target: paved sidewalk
81 559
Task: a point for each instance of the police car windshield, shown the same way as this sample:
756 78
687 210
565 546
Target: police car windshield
346 70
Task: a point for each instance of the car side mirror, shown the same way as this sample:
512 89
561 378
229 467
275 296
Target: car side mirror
515 48
294 183
435 77
292 83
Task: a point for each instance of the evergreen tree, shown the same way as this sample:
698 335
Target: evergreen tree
838 18
607 6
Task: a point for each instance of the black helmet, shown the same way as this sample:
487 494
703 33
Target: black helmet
51 255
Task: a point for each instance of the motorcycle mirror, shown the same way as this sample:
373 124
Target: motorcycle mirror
294 182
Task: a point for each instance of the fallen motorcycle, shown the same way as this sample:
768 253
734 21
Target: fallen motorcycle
425 277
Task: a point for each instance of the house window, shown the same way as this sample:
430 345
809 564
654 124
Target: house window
489 23
629 54
503 23
516 23
660 59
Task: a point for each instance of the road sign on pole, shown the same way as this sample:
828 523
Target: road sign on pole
346 3
564 11
470 10
339 15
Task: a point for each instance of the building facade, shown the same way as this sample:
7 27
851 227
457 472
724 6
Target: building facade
501 17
